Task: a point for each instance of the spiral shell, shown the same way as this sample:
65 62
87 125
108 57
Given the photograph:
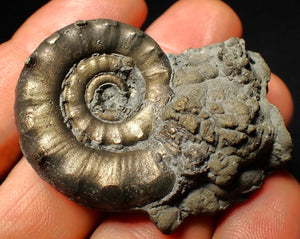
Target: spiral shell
85 93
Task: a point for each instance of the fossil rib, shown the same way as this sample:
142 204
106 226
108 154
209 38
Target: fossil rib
108 119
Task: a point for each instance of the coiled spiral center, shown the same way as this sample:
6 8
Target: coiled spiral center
103 89
107 97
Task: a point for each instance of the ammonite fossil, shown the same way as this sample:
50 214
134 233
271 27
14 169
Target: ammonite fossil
111 121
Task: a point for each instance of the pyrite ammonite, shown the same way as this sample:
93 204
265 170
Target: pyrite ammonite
111 121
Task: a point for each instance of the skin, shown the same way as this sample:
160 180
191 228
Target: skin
30 208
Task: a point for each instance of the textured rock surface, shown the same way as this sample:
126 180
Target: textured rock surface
220 134
112 122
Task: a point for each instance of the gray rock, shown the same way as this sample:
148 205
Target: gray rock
221 128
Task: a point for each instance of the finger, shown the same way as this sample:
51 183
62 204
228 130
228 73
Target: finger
138 226
273 212
280 96
48 19
195 23
31 208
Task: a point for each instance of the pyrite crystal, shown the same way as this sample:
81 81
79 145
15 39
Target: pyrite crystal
112 122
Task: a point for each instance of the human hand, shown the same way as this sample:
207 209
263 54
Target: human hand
30 208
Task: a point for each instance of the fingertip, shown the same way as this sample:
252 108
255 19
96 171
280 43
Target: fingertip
130 226
272 212
195 23
280 96
136 226
200 226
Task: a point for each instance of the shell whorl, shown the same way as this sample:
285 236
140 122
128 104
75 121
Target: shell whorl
87 90
102 105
